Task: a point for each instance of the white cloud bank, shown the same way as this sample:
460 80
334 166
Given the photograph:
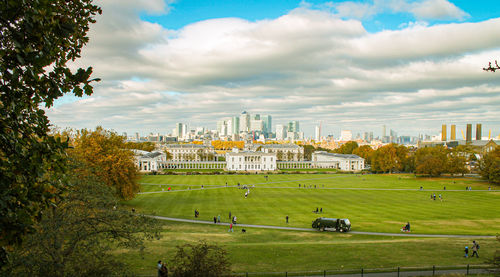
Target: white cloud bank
307 65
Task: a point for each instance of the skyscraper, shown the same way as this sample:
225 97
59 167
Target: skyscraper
317 133
281 132
383 131
267 120
236 125
244 122
293 126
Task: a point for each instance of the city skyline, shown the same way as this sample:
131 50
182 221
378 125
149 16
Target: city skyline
351 65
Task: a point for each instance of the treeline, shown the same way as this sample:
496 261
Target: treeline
431 161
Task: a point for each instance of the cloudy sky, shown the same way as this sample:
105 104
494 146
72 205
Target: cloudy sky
351 65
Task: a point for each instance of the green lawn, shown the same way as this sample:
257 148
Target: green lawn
263 250
372 208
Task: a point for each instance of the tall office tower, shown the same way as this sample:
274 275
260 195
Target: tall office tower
236 125
317 134
345 135
256 117
178 130
443 132
281 132
371 136
222 127
453 132
479 132
137 137
383 131
256 125
184 130
469 133
394 136
244 122
267 120
229 123
293 126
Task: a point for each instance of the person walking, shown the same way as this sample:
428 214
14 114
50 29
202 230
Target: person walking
230 215
215 220
475 248
218 219
159 266
287 219
466 252
230 227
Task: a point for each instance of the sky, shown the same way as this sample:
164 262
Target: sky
411 65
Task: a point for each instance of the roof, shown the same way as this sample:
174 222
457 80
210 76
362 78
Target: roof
336 155
200 146
248 153
287 145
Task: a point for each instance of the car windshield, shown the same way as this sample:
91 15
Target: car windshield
347 222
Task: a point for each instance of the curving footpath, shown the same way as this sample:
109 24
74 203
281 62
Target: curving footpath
315 230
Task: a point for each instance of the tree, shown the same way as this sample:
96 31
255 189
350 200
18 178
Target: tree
145 146
385 159
76 236
104 155
279 155
365 152
347 148
431 161
308 150
200 259
37 40
168 155
457 162
489 166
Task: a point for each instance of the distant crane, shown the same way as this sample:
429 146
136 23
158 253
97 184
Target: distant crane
489 135
463 136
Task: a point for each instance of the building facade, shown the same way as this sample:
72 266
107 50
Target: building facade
285 152
250 161
190 152
345 162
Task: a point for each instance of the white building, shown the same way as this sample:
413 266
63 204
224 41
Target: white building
189 152
250 161
345 162
149 161
285 152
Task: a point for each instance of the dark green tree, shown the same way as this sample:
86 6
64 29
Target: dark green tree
76 236
489 166
365 152
37 40
200 260
308 150
347 148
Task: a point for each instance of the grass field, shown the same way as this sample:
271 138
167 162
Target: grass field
263 250
378 203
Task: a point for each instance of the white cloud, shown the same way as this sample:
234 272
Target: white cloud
307 65
420 9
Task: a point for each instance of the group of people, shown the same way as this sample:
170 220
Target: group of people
475 249
196 213
320 210
309 186
433 197
406 228
162 269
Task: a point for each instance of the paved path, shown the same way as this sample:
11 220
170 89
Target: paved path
315 230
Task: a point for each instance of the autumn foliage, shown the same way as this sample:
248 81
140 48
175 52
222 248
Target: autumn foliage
227 145
103 155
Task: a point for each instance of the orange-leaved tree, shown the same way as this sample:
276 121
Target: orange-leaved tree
104 155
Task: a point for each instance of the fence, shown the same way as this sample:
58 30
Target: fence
379 272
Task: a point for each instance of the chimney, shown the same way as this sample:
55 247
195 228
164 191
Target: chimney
453 132
443 132
478 131
469 133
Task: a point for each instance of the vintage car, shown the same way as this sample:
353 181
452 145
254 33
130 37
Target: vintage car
334 224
